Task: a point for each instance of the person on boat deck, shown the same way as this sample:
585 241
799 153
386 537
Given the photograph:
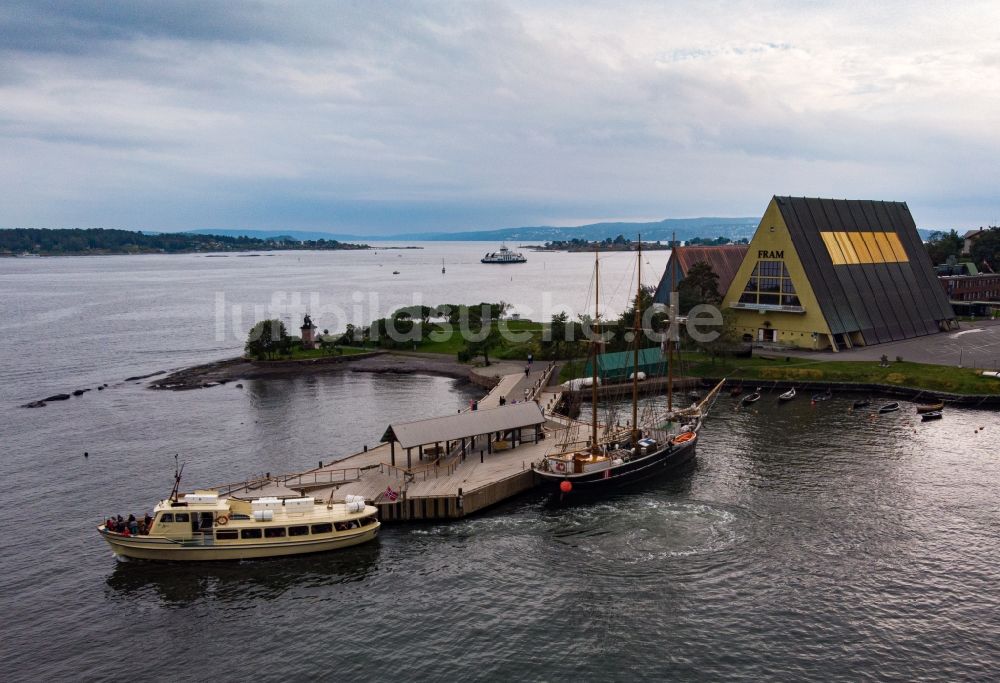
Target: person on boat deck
109 524
503 400
148 520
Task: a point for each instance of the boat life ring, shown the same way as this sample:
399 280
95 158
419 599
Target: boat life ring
560 467
222 520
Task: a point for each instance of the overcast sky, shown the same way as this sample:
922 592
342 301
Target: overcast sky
370 117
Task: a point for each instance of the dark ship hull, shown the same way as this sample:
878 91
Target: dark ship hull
670 459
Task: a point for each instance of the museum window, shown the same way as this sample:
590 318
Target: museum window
770 285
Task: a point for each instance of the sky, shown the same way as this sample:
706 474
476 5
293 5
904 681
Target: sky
374 118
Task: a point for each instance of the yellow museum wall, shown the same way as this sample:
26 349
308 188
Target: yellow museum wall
794 329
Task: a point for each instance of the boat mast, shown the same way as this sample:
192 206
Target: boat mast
597 352
670 325
635 358
178 472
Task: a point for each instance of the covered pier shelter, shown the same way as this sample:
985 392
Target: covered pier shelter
470 429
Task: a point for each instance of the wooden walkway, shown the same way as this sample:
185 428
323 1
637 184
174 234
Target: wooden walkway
440 487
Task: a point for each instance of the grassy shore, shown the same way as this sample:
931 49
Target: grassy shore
941 378
438 341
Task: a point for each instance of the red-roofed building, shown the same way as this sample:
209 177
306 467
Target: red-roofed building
725 260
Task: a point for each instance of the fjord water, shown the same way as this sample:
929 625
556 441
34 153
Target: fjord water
807 542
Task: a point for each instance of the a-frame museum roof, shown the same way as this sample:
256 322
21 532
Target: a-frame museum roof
867 266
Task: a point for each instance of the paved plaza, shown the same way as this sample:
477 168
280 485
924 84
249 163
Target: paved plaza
974 345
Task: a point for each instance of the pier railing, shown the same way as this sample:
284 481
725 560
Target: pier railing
318 477
291 481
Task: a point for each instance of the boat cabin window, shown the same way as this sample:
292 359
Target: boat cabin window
298 531
367 520
322 528
227 535
167 517
274 532
250 533
182 517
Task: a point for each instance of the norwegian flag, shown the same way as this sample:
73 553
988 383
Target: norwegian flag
390 494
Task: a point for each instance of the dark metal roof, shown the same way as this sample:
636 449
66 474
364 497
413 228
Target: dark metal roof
725 260
871 289
462 425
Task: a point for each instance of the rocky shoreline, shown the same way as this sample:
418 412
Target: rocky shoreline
237 369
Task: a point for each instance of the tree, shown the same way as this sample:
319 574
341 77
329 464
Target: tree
699 286
986 248
726 341
266 339
349 337
942 245
482 347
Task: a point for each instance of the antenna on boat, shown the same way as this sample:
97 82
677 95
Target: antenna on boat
178 471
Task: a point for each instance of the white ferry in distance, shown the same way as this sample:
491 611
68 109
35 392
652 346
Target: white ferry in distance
505 255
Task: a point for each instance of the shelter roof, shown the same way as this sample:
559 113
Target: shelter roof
464 425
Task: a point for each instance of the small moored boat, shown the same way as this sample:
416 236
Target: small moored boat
930 407
862 403
889 408
931 415
788 395
752 398
825 396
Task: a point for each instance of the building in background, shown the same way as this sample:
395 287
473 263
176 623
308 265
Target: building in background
831 274
725 260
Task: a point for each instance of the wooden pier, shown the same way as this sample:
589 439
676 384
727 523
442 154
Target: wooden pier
446 476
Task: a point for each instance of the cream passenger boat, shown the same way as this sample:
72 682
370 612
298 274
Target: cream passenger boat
206 526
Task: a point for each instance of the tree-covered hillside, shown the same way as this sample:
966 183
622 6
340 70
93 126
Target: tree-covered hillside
100 241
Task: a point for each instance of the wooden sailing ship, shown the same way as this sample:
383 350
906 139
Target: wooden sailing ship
625 456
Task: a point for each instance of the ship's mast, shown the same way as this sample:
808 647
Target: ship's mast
597 351
670 325
636 329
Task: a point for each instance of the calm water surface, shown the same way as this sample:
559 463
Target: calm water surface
807 542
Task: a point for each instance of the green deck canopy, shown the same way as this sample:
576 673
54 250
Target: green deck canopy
614 367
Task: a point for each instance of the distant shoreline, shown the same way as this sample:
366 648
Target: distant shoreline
208 254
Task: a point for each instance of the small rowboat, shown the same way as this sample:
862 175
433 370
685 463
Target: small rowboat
825 396
788 395
863 403
931 415
683 437
752 398
930 407
889 408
